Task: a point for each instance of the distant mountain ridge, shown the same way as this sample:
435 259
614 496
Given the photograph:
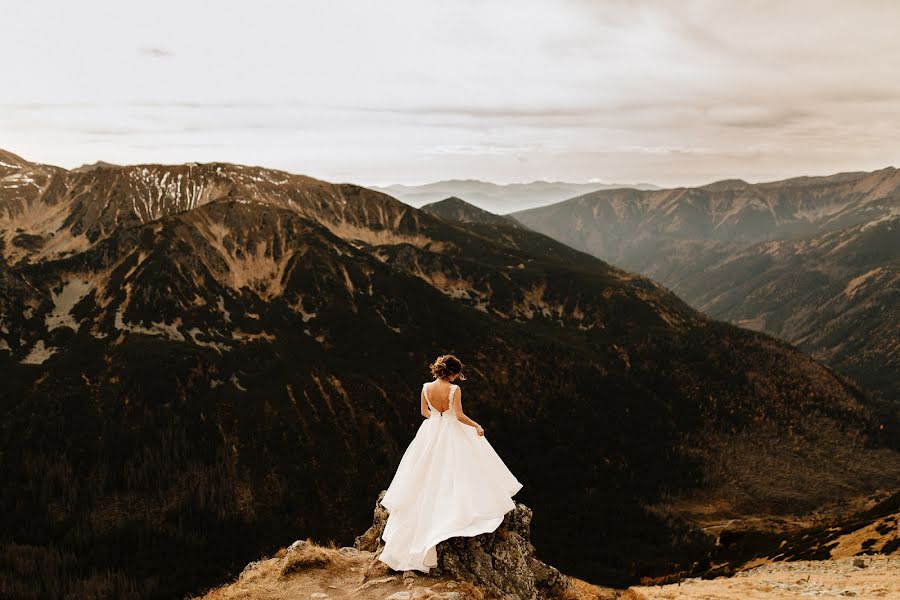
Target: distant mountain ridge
775 256
499 198
455 209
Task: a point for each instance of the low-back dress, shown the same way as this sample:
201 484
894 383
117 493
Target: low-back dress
450 483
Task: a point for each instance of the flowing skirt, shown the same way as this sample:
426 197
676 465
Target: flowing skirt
450 483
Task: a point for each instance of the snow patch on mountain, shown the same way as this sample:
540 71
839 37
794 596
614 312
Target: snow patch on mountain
64 301
157 328
38 354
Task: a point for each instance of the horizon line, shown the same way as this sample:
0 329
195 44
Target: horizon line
747 180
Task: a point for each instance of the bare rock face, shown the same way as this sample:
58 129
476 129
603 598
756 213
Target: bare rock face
370 541
501 563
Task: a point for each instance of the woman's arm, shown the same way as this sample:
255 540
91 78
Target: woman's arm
423 407
461 416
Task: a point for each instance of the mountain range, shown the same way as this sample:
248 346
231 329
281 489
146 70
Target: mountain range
812 260
499 198
203 362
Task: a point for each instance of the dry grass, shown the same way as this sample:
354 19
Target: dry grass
582 590
311 556
306 568
875 536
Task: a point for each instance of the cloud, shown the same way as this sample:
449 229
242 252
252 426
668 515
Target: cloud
665 150
648 90
758 116
485 111
479 150
156 52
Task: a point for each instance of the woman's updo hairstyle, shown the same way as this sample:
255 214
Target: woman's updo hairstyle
445 366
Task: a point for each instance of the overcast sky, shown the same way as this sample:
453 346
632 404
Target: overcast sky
676 92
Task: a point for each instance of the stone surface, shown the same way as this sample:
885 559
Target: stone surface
501 563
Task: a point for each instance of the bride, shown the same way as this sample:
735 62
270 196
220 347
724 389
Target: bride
450 481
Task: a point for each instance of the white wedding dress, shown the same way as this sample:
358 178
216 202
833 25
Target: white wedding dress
450 483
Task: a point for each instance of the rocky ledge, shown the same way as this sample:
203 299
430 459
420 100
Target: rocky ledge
501 563
497 565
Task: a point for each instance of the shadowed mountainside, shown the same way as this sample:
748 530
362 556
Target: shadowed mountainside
836 295
202 361
812 260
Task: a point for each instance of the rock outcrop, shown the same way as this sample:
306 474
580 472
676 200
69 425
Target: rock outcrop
501 563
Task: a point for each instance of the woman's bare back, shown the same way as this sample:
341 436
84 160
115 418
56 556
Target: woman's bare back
438 394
